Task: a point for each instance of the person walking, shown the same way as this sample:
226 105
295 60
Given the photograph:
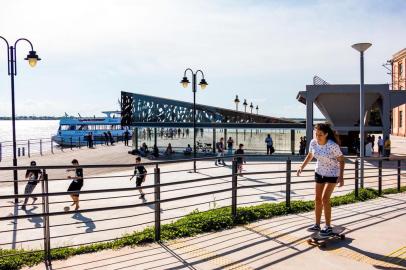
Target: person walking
240 159
329 172
269 145
380 146
230 143
141 174
33 176
110 137
220 152
106 138
91 139
386 147
126 137
77 183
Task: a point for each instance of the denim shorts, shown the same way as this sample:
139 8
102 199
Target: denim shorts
325 179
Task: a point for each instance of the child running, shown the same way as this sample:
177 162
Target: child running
76 184
141 173
33 176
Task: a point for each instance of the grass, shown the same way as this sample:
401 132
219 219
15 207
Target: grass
192 224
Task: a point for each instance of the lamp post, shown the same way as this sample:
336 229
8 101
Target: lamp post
245 114
251 107
257 114
32 58
185 82
362 47
236 101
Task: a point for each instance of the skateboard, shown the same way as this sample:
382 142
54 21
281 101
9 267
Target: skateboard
321 241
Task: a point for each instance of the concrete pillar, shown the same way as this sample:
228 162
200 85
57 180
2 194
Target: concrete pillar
214 140
386 116
309 121
292 141
155 137
225 138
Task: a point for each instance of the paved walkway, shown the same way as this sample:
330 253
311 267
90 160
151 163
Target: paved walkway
375 239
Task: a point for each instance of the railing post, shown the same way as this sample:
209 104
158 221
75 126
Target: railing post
18 152
356 177
380 178
40 147
399 171
234 189
52 146
45 211
292 141
28 148
157 193
23 151
1 151
288 181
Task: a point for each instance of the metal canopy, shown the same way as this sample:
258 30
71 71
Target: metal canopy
148 111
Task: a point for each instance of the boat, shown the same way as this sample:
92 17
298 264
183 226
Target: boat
75 131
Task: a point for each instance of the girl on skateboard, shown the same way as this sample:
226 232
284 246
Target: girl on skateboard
329 172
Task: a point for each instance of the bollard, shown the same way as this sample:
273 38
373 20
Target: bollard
399 171
52 146
40 146
234 189
1 151
23 151
356 177
380 178
288 181
71 147
18 152
79 143
157 193
29 148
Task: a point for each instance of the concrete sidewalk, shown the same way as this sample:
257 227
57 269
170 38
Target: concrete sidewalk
375 239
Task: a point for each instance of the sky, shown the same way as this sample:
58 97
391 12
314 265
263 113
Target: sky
264 51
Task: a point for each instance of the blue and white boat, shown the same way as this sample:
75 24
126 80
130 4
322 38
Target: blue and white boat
76 130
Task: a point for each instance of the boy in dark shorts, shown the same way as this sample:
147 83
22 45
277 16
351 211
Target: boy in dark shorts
141 173
76 184
240 160
33 176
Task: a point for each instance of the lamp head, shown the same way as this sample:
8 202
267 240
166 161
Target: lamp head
236 100
245 102
361 47
257 108
203 84
251 106
185 82
32 58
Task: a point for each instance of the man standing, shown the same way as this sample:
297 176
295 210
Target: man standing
380 146
269 145
126 137
230 143
220 152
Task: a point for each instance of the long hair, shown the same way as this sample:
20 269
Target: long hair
326 129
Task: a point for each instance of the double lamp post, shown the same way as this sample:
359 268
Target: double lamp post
32 59
185 82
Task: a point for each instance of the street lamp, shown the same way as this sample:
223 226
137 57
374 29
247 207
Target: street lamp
32 59
185 82
245 114
257 109
236 101
251 107
362 47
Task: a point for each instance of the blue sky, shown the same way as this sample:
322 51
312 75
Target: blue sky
264 51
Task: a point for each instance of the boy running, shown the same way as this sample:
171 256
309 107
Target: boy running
141 173
33 176
240 159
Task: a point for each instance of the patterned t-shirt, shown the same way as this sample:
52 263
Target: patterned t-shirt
326 155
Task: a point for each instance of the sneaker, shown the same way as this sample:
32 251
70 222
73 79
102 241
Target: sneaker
142 196
326 231
314 228
23 207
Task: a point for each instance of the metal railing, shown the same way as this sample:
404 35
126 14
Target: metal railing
265 179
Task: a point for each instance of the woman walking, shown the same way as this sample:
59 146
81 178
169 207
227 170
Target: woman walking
329 171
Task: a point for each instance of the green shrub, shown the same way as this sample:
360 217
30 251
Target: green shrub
192 224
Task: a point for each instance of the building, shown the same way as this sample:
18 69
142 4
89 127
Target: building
399 83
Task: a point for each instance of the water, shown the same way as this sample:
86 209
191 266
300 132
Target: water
28 129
